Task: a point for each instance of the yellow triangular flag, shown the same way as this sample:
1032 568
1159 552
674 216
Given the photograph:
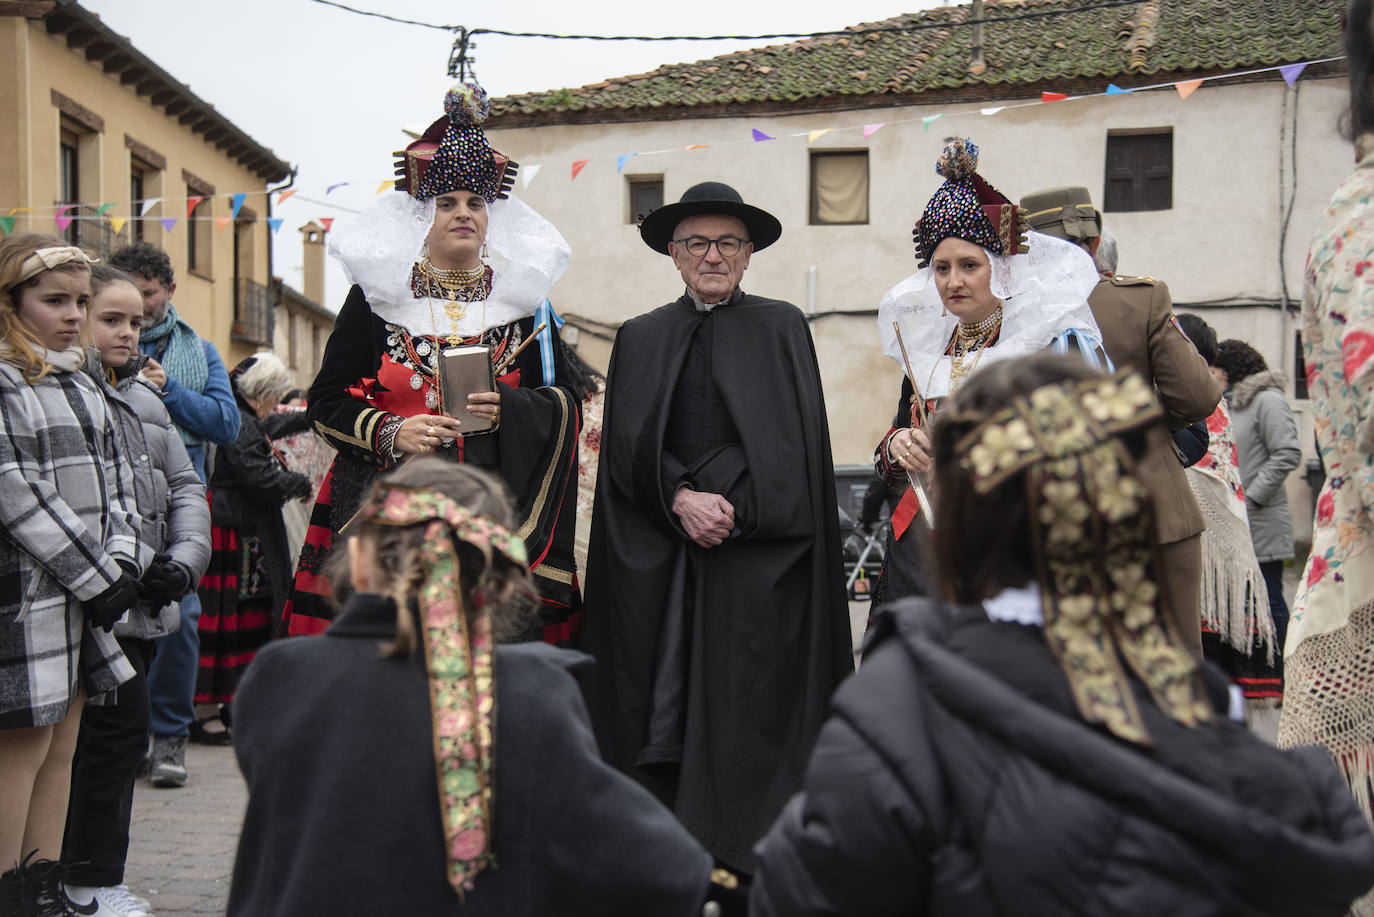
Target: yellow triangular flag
389 183
1186 88
811 137
117 223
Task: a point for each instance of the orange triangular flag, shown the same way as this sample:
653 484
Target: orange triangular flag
284 195
191 203
222 223
579 166
1186 88
327 223
699 146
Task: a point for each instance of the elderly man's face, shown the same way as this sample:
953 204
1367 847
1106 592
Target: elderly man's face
711 277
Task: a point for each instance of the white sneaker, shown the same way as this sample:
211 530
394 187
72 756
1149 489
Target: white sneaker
111 901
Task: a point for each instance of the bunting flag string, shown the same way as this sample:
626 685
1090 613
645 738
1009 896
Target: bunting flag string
275 223
327 223
64 214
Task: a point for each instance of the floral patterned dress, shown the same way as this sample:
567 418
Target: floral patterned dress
1329 666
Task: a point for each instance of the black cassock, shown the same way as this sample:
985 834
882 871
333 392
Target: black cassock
715 665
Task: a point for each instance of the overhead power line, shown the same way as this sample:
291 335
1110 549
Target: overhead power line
834 33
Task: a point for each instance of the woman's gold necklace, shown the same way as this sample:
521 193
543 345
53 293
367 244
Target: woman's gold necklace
456 289
968 338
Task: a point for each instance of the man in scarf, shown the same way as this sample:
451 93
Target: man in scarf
190 376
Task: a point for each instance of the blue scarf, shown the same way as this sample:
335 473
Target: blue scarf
181 355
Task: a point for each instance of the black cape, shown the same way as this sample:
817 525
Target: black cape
715 666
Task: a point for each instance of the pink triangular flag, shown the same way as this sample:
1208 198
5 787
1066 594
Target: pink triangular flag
579 166
1187 88
222 223
871 129
63 221
284 195
327 223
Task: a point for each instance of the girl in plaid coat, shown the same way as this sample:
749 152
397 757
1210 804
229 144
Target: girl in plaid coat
71 551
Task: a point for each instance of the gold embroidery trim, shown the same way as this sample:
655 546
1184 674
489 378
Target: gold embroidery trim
528 525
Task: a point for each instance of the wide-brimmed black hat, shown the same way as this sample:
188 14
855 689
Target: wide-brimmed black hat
709 197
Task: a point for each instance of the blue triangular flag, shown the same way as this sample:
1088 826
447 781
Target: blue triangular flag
1292 72
275 223
1115 90
622 159
238 202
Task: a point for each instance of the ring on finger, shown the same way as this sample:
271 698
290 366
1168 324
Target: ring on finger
430 431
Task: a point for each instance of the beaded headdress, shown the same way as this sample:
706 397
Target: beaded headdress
459 655
1092 531
453 154
967 207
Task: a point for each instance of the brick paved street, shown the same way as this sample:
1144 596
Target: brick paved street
181 853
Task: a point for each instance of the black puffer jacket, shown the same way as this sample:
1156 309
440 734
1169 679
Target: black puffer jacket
954 777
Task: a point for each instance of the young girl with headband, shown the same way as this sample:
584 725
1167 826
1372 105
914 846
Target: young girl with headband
420 768
71 556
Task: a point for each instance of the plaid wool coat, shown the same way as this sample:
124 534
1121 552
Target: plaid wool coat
66 514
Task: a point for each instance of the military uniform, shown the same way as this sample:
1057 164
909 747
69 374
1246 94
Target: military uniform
1136 317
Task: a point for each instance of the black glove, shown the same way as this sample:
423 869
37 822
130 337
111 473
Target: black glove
166 580
108 607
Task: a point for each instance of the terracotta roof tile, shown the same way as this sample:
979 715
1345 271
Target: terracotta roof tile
1125 44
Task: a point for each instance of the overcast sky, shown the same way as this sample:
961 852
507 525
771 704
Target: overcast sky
329 90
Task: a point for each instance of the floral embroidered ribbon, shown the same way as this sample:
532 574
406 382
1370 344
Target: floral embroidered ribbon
458 655
1093 545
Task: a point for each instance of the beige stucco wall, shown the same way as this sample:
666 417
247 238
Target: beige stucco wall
1220 240
35 63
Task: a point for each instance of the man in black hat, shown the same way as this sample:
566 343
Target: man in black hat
715 600
1139 332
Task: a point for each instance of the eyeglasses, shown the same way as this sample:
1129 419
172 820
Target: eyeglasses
698 246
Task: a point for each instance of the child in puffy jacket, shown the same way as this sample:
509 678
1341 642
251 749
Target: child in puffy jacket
176 522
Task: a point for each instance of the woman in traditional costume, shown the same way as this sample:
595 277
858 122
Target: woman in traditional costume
1042 740
449 259
987 290
1329 654
1237 628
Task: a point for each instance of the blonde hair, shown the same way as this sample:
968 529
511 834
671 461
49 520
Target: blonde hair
502 589
15 334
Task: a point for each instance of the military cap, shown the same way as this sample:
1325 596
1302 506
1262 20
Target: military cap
1065 213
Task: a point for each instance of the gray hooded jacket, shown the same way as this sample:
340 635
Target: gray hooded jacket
171 497
1267 441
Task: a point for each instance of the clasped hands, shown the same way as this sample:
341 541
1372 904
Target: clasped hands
424 433
708 518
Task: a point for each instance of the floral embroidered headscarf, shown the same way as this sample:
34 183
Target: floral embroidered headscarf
459 653
1093 544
